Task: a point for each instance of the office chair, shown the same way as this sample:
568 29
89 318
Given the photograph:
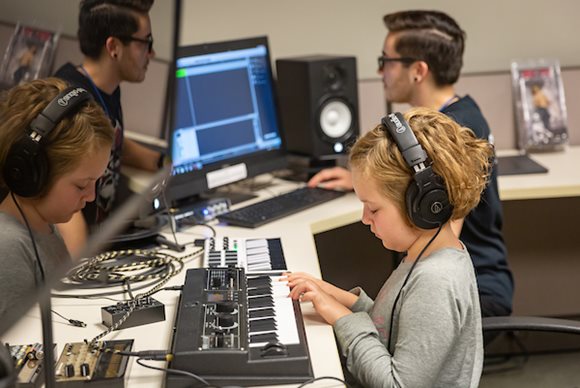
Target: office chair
530 323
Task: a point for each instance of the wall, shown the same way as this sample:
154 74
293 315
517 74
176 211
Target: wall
343 27
62 16
497 30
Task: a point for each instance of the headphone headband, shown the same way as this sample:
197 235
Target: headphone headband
406 141
65 102
26 168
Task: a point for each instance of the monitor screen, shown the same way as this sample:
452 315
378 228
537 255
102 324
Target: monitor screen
224 126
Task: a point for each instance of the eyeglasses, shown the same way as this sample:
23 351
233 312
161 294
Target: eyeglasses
383 60
148 41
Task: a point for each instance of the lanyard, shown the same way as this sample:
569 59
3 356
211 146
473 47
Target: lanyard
98 93
448 102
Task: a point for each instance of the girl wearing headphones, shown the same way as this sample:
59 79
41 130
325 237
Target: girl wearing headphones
54 145
424 328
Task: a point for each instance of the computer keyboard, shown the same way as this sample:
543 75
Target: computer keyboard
277 207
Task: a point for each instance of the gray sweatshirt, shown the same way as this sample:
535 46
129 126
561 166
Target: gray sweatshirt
437 336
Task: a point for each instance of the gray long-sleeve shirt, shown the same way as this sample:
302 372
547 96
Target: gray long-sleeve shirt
437 335
19 271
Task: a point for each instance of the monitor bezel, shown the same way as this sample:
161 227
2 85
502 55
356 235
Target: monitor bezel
190 186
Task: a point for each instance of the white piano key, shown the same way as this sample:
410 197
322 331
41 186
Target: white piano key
287 329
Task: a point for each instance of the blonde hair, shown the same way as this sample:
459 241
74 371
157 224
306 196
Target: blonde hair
75 137
457 155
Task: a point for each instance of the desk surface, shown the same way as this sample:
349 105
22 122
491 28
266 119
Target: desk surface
561 180
296 232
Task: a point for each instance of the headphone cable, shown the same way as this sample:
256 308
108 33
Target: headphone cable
40 267
405 283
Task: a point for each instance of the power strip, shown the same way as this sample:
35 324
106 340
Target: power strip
147 310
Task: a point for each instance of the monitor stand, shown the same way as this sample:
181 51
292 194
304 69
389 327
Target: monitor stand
303 167
234 196
239 191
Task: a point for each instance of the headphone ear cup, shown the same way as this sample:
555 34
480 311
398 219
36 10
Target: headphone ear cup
411 202
435 208
429 209
26 168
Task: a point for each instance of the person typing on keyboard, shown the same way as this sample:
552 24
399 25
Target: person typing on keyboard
424 328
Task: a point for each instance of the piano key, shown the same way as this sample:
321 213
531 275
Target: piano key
258 340
258 291
254 255
260 301
263 324
261 313
286 329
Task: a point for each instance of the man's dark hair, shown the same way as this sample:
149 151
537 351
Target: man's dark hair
100 19
430 36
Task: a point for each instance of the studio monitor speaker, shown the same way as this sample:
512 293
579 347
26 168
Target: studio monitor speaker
318 104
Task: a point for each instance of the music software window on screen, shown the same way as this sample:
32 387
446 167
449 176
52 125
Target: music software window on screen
217 114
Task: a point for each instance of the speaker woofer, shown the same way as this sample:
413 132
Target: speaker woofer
335 119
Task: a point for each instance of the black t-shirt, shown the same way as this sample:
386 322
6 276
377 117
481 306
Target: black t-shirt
481 232
107 186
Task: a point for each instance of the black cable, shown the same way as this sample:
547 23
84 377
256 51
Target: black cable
322 378
45 308
40 267
89 297
211 228
171 288
176 372
405 282
108 268
128 285
73 322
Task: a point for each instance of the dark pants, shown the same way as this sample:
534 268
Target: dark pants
491 309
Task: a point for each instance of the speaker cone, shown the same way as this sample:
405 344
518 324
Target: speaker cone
335 119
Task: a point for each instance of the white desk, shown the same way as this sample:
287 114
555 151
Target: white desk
296 232
561 180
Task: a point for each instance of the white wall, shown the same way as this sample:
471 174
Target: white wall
497 30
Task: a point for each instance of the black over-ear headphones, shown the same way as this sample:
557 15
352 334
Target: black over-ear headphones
426 197
26 168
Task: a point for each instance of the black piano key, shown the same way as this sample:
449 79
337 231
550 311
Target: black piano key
260 291
266 324
261 301
268 312
276 254
259 281
263 337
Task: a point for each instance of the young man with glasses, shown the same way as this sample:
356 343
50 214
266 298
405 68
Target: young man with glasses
116 40
421 61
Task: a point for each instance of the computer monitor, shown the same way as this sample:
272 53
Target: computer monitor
224 125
